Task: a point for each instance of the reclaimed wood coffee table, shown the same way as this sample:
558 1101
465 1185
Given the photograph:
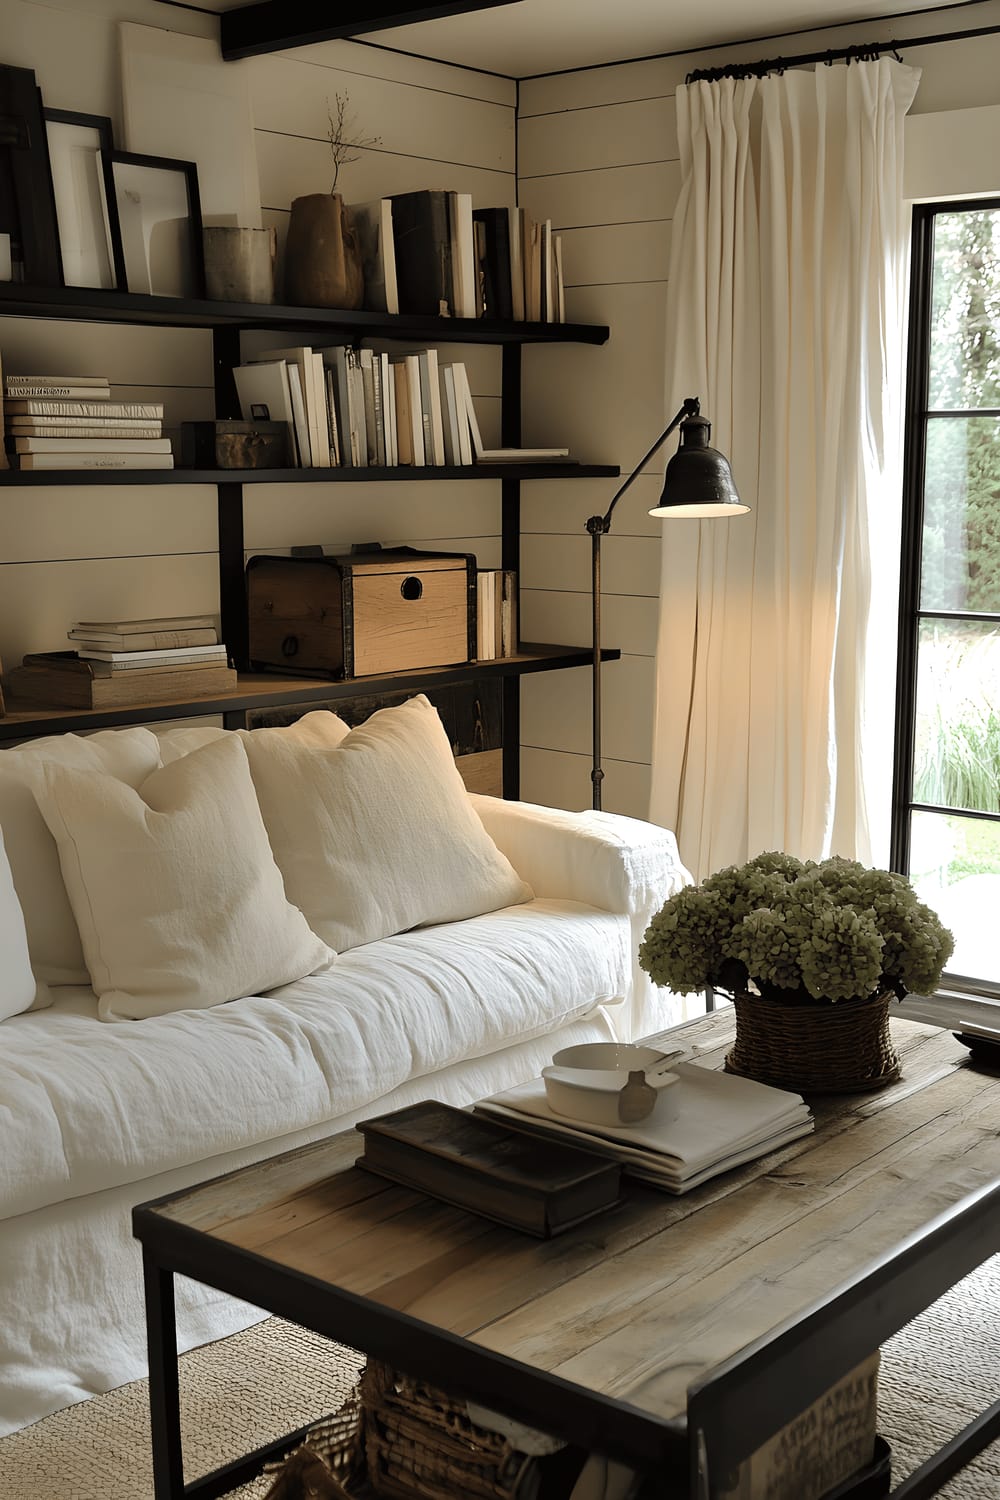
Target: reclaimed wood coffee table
673 1333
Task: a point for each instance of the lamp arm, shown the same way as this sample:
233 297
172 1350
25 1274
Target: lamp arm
690 408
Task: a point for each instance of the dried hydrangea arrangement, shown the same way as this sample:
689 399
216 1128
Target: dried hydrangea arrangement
798 932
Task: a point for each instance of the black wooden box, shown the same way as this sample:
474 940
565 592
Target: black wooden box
371 611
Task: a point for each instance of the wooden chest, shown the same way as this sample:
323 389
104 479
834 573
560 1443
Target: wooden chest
368 612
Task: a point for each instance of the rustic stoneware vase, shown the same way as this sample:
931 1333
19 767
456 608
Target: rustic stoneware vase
322 256
826 1048
239 264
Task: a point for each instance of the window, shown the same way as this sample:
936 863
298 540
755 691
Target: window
946 793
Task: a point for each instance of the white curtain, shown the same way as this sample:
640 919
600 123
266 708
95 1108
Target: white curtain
785 317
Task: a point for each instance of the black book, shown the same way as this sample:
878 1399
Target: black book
510 1176
497 297
422 242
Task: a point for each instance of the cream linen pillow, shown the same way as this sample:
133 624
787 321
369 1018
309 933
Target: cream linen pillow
378 835
317 728
177 896
18 990
129 755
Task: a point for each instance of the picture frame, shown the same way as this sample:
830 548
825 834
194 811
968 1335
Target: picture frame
156 220
27 202
87 221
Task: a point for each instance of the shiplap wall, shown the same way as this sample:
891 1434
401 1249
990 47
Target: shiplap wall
135 551
598 154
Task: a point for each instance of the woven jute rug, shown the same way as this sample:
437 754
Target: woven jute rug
245 1390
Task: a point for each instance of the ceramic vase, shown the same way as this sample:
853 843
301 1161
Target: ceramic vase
322 257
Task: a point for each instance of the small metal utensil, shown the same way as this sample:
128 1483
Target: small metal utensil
636 1099
637 1096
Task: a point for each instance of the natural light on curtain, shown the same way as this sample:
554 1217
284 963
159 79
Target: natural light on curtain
786 317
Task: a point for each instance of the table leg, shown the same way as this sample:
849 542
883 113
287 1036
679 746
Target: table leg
164 1397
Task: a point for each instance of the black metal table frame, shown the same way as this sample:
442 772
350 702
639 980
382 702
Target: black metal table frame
730 1413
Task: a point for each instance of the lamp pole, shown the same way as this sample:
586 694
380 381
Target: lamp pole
599 526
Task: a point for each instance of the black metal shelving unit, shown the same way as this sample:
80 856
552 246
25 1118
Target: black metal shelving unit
227 321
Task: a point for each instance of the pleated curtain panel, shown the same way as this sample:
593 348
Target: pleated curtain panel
786 309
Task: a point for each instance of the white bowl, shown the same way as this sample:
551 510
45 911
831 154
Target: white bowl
585 1082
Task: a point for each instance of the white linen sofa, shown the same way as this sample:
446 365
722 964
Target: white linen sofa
96 1117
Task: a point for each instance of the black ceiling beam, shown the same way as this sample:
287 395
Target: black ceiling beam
274 25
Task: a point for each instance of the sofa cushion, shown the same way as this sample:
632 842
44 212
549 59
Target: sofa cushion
18 989
377 835
53 940
92 1106
175 890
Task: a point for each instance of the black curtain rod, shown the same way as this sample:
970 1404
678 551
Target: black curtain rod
864 52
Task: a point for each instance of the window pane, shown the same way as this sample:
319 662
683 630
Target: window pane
955 868
965 311
960 563
956 761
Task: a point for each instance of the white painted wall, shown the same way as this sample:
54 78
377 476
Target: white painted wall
598 153
93 553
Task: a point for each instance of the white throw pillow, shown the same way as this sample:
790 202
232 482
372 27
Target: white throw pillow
378 835
129 755
317 728
18 990
177 896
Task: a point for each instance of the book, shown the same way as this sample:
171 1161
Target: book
78 460
265 396
389 410
450 418
515 242
720 1121
53 427
404 437
181 664
144 640
47 382
531 261
305 369
486 649
374 441
560 292
158 654
422 244
463 256
430 404
503 1174
335 361
498 299
139 627
485 455
414 410
508 612
457 382
147 411
373 226
90 445
57 392
78 686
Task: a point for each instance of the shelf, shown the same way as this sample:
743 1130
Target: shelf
91 304
550 469
258 689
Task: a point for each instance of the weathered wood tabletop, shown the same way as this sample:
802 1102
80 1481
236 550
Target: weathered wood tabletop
643 1301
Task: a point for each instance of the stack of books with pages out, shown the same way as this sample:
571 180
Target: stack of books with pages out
496 613
70 422
717 1121
118 663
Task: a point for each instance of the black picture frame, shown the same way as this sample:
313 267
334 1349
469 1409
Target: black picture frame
27 203
87 221
157 224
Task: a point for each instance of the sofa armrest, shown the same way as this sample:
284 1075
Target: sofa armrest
605 860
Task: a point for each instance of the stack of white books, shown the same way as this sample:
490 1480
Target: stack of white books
70 422
716 1121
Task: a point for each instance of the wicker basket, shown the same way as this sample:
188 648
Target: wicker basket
841 1048
421 1444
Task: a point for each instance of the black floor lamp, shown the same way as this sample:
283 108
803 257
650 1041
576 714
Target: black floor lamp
698 484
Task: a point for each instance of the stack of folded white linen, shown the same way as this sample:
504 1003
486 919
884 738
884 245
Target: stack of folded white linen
715 1121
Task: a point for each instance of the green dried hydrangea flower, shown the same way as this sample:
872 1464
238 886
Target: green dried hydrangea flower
800 931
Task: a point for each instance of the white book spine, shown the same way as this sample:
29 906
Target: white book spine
99 382
102 444
97 461
173 653
149 411
62 392
41 429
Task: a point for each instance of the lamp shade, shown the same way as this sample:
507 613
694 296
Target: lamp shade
698 481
